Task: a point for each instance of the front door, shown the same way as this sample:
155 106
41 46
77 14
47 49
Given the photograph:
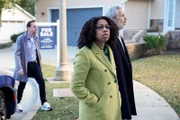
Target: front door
170 18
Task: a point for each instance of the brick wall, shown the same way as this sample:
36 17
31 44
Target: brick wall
173 38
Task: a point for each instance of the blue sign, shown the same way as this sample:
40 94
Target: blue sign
47 37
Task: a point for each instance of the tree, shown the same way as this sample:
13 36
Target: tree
28 5
6 4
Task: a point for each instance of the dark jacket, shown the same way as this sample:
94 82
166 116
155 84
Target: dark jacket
124 75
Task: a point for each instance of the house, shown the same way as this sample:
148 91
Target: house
151 15
13 21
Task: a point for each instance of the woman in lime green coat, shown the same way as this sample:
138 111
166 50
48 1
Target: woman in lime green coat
94 80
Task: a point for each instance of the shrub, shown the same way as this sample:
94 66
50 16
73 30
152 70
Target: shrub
14 36
155 44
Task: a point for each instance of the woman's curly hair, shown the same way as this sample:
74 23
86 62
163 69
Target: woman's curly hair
88 32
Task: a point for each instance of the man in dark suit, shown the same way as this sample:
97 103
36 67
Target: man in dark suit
123 66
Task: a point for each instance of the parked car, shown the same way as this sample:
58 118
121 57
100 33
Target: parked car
7 97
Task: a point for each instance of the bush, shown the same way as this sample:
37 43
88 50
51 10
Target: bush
14 36
155 44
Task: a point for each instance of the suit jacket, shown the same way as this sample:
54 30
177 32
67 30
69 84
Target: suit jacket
21 56
124 75
94 83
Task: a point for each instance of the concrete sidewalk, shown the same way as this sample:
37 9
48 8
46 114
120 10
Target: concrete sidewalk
150 106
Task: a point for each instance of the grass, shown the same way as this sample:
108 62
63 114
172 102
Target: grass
48 71
63 109
162 74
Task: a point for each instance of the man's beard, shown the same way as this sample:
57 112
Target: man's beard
121 27
34 33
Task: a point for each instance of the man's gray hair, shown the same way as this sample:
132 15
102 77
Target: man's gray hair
112 12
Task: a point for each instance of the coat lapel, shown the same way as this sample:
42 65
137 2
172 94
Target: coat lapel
26 49
124 52
37 51
100 55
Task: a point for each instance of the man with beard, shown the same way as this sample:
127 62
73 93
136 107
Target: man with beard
123 66
28 64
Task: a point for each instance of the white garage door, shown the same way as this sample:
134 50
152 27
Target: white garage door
11 27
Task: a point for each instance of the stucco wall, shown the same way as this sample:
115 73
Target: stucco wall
45 5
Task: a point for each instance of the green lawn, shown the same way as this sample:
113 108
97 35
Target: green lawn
63 109
161 73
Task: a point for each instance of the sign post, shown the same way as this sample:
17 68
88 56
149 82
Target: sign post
63 72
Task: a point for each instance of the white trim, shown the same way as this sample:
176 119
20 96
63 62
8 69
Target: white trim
46 24
174 15
149 14
28 14
58 42
18 20
76 7
90 6
123 6
165 16
177 14
156 18
85 7
166 13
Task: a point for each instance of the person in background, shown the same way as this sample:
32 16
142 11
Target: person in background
28 64
94 80
123 66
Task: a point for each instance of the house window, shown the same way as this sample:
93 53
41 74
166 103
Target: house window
54 15
170 12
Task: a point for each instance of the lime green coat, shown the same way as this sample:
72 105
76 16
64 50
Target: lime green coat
94 83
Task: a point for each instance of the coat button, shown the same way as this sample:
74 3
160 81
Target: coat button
105 70
115 81
109 83
111 96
